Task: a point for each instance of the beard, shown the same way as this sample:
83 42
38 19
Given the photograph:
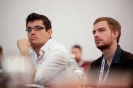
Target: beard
105 45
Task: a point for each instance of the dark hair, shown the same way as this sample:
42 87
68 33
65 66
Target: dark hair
1 50
77 46
34 16
112 23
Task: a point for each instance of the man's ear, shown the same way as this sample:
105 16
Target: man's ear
116 33
49 32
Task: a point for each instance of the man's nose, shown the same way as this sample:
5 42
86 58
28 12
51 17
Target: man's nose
33 31
96 34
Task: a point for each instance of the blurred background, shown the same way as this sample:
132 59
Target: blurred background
72 22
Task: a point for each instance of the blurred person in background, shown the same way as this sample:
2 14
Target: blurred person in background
2 80
77 51
47 58
1 55
115 66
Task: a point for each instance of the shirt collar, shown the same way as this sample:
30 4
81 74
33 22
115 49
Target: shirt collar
116 57
44 47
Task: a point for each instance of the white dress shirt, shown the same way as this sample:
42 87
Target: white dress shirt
51 65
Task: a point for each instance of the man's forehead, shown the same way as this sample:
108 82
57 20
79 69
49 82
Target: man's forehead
100 24
35 22
76 49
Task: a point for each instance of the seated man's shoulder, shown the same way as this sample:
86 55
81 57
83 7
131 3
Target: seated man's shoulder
96 64
57 46
96 61
127 59
56 49
126 55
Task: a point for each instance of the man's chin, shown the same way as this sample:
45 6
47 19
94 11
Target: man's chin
102 47
34 44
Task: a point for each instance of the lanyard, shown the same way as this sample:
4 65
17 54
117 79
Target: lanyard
101 73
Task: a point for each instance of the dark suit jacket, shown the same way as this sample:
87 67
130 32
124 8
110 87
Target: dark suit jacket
119 73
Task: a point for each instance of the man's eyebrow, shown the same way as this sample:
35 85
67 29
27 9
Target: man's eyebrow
100 28
93 31
37 26
29 27
34 26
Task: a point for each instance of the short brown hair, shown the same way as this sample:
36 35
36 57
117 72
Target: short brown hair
34 16
112 23
77 46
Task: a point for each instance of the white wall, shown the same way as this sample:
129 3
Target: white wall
72 22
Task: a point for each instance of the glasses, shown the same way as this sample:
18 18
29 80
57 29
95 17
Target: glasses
36 28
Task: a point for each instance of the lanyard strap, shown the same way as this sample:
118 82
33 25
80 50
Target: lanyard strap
101 73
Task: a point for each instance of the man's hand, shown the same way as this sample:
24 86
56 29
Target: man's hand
23 45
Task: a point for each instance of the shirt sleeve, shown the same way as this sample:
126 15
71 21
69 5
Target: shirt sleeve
55 62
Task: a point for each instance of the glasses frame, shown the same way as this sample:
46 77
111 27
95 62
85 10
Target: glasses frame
36 28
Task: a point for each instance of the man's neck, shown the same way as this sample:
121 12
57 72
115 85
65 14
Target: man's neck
109 53
37 49
77 60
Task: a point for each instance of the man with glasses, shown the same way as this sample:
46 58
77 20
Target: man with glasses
47 58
